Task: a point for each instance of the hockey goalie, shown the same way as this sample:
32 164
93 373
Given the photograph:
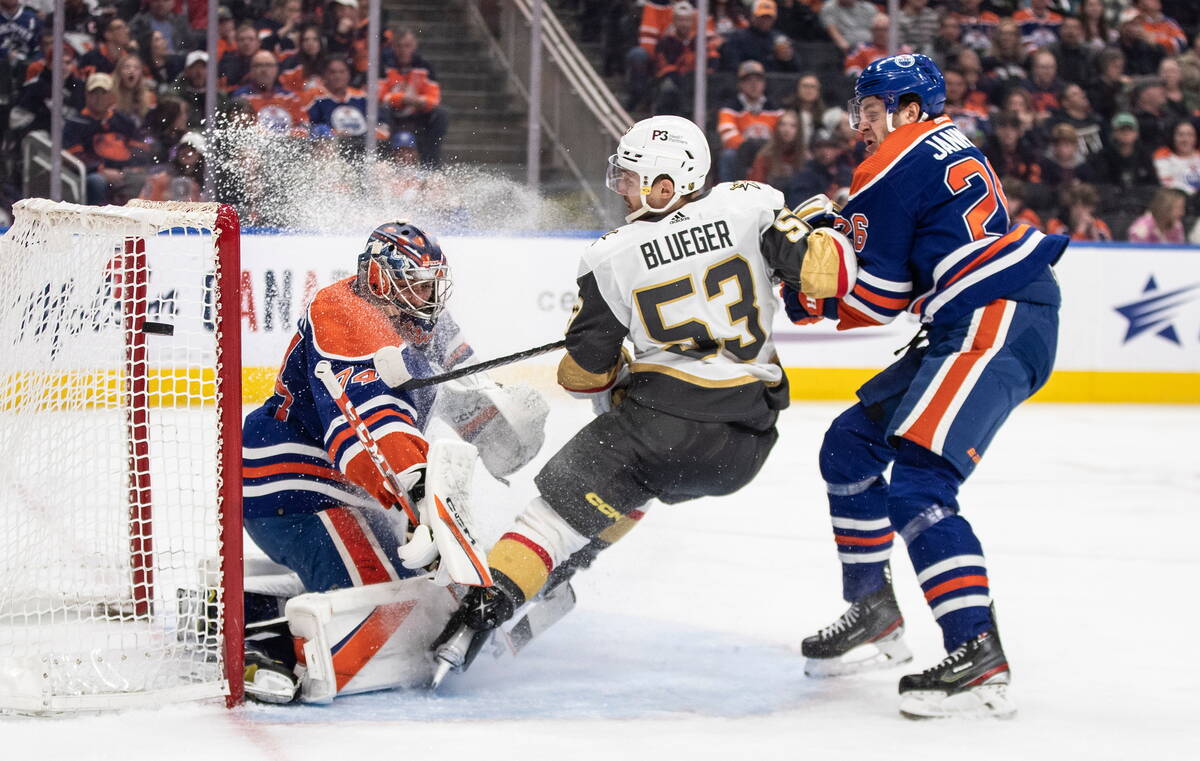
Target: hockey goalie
366 524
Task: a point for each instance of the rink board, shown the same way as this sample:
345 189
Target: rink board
1130 320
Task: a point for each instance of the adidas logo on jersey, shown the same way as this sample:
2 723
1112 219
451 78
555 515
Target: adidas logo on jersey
679 217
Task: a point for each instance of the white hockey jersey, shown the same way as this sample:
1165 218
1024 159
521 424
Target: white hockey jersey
693 292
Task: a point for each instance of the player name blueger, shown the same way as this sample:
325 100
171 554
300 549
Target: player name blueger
695 240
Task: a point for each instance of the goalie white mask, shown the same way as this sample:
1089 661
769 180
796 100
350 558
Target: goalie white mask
661 146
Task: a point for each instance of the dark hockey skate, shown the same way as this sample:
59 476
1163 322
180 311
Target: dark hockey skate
267 679
868 636
971 681
481 611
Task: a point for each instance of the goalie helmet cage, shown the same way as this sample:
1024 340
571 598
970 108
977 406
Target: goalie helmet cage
120 456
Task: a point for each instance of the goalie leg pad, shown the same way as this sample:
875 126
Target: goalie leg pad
368 638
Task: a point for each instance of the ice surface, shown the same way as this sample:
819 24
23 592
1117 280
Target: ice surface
685 643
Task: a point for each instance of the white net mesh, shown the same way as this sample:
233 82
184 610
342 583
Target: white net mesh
110 524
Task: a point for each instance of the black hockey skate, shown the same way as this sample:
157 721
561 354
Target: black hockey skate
267 679
971 681
868 636
481 611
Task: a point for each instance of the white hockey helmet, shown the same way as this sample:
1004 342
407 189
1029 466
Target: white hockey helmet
658 146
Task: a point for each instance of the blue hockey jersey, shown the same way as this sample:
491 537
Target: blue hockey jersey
929 220
344 328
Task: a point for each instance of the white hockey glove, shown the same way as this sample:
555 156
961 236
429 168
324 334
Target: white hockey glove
818 211
391 367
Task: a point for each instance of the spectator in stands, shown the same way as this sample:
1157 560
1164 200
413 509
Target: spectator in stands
1124 162
656 18
917 25
340 111
191 86
783 58
754 43
1158 29
163 127
1163 221
1141 55
1150 108
1005 65
969 64
1063 165
1077 111
226 32
1106 92
1178 162
162 64
349 37
413 99
1081 220
276 109
728 17
233 69
158 17
182 177
20 33
301 71
799 21
675 61
745 122
1043 84
848 22
783 155
102 139
1039 25
1018 101
31 105
873 49
1189 64
1008 154
947 44
978 26
1019 211
114 43
1181 102
280 27
1073 55
968 109
826 172
1097 34
808 102
134 95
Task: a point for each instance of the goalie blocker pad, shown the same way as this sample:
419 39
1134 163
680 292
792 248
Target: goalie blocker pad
445 515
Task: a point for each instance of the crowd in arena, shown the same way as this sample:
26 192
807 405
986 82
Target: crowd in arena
1087 109
135 85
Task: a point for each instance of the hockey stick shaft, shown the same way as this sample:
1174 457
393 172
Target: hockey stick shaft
482 367
324 372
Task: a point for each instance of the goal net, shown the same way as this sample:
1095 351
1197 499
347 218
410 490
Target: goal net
120 414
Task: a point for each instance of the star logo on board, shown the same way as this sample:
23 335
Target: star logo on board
1156 311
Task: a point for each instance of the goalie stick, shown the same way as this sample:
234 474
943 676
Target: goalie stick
391 369
324 373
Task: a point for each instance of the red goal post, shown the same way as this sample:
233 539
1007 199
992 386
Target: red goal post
120 446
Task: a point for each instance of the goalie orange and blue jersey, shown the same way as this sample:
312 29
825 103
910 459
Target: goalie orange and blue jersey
300 454
929 176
